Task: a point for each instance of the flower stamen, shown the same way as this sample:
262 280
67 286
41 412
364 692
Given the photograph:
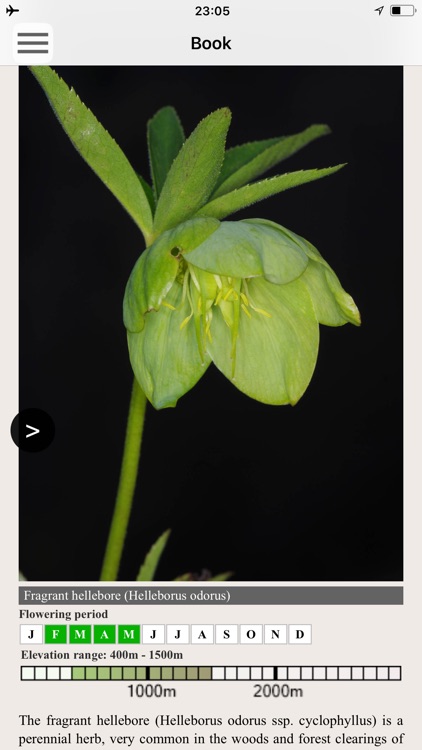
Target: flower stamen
186 293
218 297
254 307
218 280
260 311
230 294
194 279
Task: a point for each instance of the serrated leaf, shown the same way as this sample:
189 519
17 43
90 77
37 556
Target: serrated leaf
193 173
222 576
149 566
245 163
148 192
227 204
236 157
165 139
97 147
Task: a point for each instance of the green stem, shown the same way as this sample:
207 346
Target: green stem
127 483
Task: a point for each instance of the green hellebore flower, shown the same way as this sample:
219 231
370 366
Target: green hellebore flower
247 295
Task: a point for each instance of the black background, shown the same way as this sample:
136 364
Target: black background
312 492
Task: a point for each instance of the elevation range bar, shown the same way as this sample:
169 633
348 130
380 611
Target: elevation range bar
218 674
32 43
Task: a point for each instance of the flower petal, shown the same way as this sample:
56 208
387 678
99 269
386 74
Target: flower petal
275 356
344 300
135 301
282 258
245 249
165 357
230 252
287 235
157 268
332 305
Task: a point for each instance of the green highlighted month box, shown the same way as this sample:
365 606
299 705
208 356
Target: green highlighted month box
81 634
104 634
55 634
129 633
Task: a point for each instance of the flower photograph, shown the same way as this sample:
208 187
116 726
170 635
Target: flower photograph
211 314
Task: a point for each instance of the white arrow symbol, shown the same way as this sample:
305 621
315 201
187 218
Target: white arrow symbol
34 431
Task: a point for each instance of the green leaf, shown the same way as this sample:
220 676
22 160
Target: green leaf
165 355
245 163
222 576
165 139
97 147
148 192
238 156
245 196
193 173
244 250
275 356
149 566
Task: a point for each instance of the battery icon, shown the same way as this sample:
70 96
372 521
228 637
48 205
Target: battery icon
402 10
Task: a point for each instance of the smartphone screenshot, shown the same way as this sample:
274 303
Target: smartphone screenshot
210 232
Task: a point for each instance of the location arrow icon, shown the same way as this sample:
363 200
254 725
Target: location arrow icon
380 9
35 431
